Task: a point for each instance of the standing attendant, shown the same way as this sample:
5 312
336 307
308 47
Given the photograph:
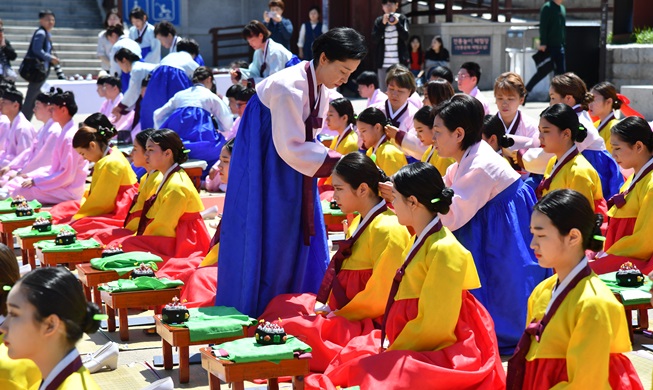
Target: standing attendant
309 32
553 17
576 333
390 38
280 27
277 140
416 56
142 32
41 48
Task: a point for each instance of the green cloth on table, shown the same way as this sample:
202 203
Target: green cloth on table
610 279
140 284
326 209
5 205
28 232
48 246
207 323
126 262
248 350
11 217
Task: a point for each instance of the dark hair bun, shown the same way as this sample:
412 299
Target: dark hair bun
382 176
505 141
91 325
581 134
594 243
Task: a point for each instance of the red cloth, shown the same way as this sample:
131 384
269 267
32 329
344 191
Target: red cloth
62 213
180 253
617 228
473 362
87 227
543 374
326 336
200 286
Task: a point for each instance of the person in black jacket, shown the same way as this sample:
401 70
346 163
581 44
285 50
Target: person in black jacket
41 48
7 54
390 37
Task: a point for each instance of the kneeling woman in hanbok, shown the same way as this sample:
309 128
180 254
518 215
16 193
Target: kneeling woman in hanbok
489 215
354 290
170 224
192 114
113 183
577 331
560 133
631 211
438 335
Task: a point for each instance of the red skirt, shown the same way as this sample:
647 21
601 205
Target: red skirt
326 336
618 228
543 374
181 253
63 212
200 286
473 362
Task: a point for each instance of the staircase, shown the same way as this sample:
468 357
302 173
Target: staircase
74 36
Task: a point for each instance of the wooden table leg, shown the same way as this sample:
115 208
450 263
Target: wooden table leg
31 258
184 365
24 256
298 382
273 384
237 385
167 355
124 324
87 292
3 238
629 321
97 298
214 382
642 315
111 321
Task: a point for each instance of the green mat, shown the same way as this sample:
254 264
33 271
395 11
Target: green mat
212 322
629 295
126 262
248 350
13 218
5 205
28 232
140 284
48 246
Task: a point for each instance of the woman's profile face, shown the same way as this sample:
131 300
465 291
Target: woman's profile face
256 41
335 73
156 158
138 155
22 333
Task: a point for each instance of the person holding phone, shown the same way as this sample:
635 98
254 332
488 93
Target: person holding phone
280 27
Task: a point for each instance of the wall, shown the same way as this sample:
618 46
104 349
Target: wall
630 65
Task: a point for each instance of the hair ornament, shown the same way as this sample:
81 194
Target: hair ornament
435 200
100 317
6 287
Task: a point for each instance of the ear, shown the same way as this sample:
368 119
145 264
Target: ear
575 237
566 133
638 147
521 100
459 133
412 202
362 190
51 325
568 100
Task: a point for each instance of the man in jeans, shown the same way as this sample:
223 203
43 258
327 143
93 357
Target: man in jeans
552 39
41 48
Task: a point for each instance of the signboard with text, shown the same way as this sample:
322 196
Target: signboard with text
156 10
471 46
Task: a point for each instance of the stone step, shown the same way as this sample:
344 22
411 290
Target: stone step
71 21
25 38
59 47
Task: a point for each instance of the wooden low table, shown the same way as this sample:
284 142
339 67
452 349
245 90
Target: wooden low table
174 336
7 227
642 314
237 373
121 301
53 259
91 278
26 241
194 170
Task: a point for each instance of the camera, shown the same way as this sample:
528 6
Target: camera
271 14
59 72
392 19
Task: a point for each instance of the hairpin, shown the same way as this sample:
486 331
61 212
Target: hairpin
6 287
435 200
598 238
100 317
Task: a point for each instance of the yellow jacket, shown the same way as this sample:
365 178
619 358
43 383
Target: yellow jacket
378 248
437 276
639 204
388 157
177 197
148 185
19 374
579 175
441 163
109 174
589 325
80 380
349 144
605 132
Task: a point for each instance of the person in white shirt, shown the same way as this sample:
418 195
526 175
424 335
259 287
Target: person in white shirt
468 78
103 44
138 71
143 33
309 32
269 56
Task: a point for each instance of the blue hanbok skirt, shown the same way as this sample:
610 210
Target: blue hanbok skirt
499 238
262 252
164 83
608 170
196 129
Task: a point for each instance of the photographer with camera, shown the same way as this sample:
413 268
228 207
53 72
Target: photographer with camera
390 37
36 65
280 27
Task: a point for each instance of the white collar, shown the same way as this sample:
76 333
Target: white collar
564 283
474 92
165 176
173 47
69 358
107 151
639 173
422 235
371 98
391 114
369 214
556 166
507 128
379 142
316 88
465 155
2 319
344 134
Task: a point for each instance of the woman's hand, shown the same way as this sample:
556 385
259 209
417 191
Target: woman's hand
28 183
386 191
391 131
